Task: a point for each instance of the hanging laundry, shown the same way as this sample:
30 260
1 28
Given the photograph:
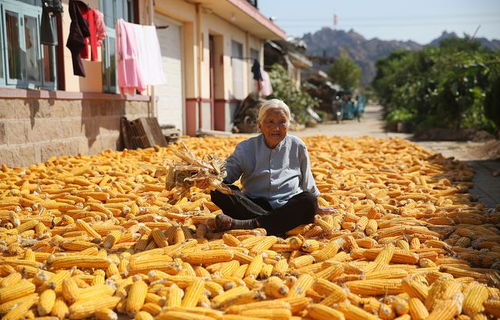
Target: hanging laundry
127 59
138 57
257 75
48 25
100 27
149 54
89 15
266 89
78 31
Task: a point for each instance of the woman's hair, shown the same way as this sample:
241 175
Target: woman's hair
273 104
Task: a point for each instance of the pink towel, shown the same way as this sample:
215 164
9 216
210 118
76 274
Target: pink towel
129 74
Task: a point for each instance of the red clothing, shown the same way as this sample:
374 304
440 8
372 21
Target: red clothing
89 15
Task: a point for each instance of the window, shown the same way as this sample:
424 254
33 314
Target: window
113 10
237 69
24 62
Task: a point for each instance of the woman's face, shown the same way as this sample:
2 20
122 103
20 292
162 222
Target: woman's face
274 127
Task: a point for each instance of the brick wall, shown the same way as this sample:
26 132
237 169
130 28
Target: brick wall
34 129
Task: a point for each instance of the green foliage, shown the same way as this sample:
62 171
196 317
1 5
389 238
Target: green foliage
284 89
454 86
345 72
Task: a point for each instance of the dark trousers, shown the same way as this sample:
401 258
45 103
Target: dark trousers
300 209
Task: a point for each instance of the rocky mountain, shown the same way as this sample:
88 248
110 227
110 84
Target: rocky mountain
491 44
328 43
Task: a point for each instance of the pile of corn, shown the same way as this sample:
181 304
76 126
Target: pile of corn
100 237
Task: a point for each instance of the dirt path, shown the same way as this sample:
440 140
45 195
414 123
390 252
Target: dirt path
481 156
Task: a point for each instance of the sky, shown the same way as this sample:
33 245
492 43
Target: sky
418 20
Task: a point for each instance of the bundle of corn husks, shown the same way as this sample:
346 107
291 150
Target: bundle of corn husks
185 175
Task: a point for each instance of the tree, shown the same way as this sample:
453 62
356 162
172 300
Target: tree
345 72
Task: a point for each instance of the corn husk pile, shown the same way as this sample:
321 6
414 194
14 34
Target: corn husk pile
101 237
193 169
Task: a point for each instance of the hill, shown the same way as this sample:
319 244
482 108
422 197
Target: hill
329 43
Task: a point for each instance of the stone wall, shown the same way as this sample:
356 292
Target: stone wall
32 129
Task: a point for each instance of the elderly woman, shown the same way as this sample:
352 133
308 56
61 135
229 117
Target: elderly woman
278 189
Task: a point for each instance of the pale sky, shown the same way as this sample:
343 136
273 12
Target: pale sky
418 20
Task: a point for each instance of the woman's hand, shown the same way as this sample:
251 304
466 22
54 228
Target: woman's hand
326 210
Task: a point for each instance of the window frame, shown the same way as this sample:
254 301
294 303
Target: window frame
120 11
23 9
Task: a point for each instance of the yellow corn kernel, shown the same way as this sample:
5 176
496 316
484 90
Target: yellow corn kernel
375 287
415 289
275 287
81 261
60 309
255 266
174 297
181 315
302 261
20 310
322 312
353 312
143 315
330 272
280 268
266 304
111 239
475 295
9 305
264 244
228 268
136 297
446 309
208 257
151 308
418 311
17 290
327 252
228 295
303 283
266 271
87 308
10 280
46 302
231 240
275 313
105 314
70 290
193 293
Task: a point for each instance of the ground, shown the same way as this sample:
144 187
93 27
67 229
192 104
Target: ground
483 157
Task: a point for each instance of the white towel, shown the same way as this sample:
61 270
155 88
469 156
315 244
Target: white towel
149 54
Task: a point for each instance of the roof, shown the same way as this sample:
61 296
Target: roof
245 16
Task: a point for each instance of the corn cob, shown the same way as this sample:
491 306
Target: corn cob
208 257
322 312
17 290
193 293
418 311
136 297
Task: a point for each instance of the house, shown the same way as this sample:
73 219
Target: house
290 54
207 47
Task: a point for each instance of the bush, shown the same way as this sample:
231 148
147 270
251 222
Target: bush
454 86
284 89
